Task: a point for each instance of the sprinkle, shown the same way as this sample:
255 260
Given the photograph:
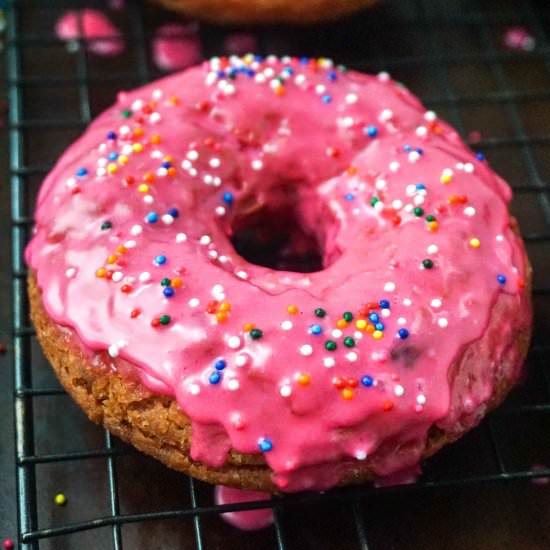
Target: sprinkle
265 444
349 342
136 230
421 399
292 309
60 499
371 131
389 286
285 390
286 325
320 312
152 217
436 302
205 240
399 390
303 379
469 211
215 378
351 99
442 322
256 334
234 342
330 345
228 198
241 360
360 455
352 356
329 362
347 394
367 381
306 350
475 242
169 292
144 277
501 279
446 176
194 389
315 329
403 333
160 260
106 225
347 316
427 263
181 237
164 319
432 249
8 544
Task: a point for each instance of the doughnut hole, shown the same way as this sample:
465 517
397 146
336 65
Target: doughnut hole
286 229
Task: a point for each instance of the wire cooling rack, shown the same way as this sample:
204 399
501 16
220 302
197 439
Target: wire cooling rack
451 54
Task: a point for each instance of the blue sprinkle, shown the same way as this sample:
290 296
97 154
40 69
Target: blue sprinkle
166 164
349 196
168 292
407 148
228 198
315 329
215 378
304 60
113 155
379 326
501 279
220 364
480 156
420 151
326 98
384 304
111 135
152 217
81 172
159 260
258 58
220 73
332 76
250 72
371 131
174 212
288 70
373 317
403 333
420 186
265 445
367 381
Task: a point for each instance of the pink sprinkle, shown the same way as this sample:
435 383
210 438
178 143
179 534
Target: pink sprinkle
7 544
240 43
105 39
519 38
249 520
176 47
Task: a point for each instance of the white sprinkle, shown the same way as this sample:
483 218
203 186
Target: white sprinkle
113 350
352 356
157 94
208 179
100 172
470 211
379 206
360 455
194 302
223 259
394 166
414 156
260 78
418 200
217 290
383 76
389 286
229 89
436 302
137 105
306 350
117 276
214 162
401 321
70 273
430 116
148 199
468 168
130 244
358 335
421 399
329 362
348 122
442 322
421 131
286 325
336 333
167 219
320 89
217 181
399 390
380 184
285 390
234 342
257 164
385 312
220 211
102 162
397 204
186 164
205 240
432 249
385 115
213 254
242 274
499 238
181 237
154 118
194 389
407 302
233 384
193 155
144 277
410 190
351 99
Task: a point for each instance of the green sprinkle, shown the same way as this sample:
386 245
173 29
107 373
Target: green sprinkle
126 113
330 345
374 200
106 225
164 319
349 342
256 334
347 316
418 211
427 263
320 312
165 282
430 218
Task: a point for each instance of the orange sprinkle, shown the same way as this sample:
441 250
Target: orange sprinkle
370 328
138 132
341 323
352 170
101 273
174 100
221 316
121 249
279 90
475 242
303 379
225 306
247 327
347 394
155 139
292 309
457 199
112 259
171 171
177 282
433 226
149 177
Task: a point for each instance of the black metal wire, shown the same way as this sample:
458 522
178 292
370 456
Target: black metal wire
438 61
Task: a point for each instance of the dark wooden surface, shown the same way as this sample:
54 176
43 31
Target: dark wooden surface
489 517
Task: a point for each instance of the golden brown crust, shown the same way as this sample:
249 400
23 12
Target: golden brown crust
266 11
156 425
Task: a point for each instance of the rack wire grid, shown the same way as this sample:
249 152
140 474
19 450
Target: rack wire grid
451 54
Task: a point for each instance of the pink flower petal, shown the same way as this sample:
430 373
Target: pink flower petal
95 26
176 47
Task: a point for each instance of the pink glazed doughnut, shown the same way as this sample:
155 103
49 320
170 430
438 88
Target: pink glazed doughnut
383 309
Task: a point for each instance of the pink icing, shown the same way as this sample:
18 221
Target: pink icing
249 520
176 47
104 38
348 155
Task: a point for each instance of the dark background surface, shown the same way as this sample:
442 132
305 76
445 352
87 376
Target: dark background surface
450 54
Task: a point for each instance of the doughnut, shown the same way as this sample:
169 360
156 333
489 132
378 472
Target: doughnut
278 274
266 11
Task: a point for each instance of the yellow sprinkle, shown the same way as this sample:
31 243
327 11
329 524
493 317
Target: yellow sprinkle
225 306
112 259
60 499
122 160
101 272
168 158
377 334
361 324
474 243
137 147
112 168
303 379
446 178
221 316
292 309
143 188
347 394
